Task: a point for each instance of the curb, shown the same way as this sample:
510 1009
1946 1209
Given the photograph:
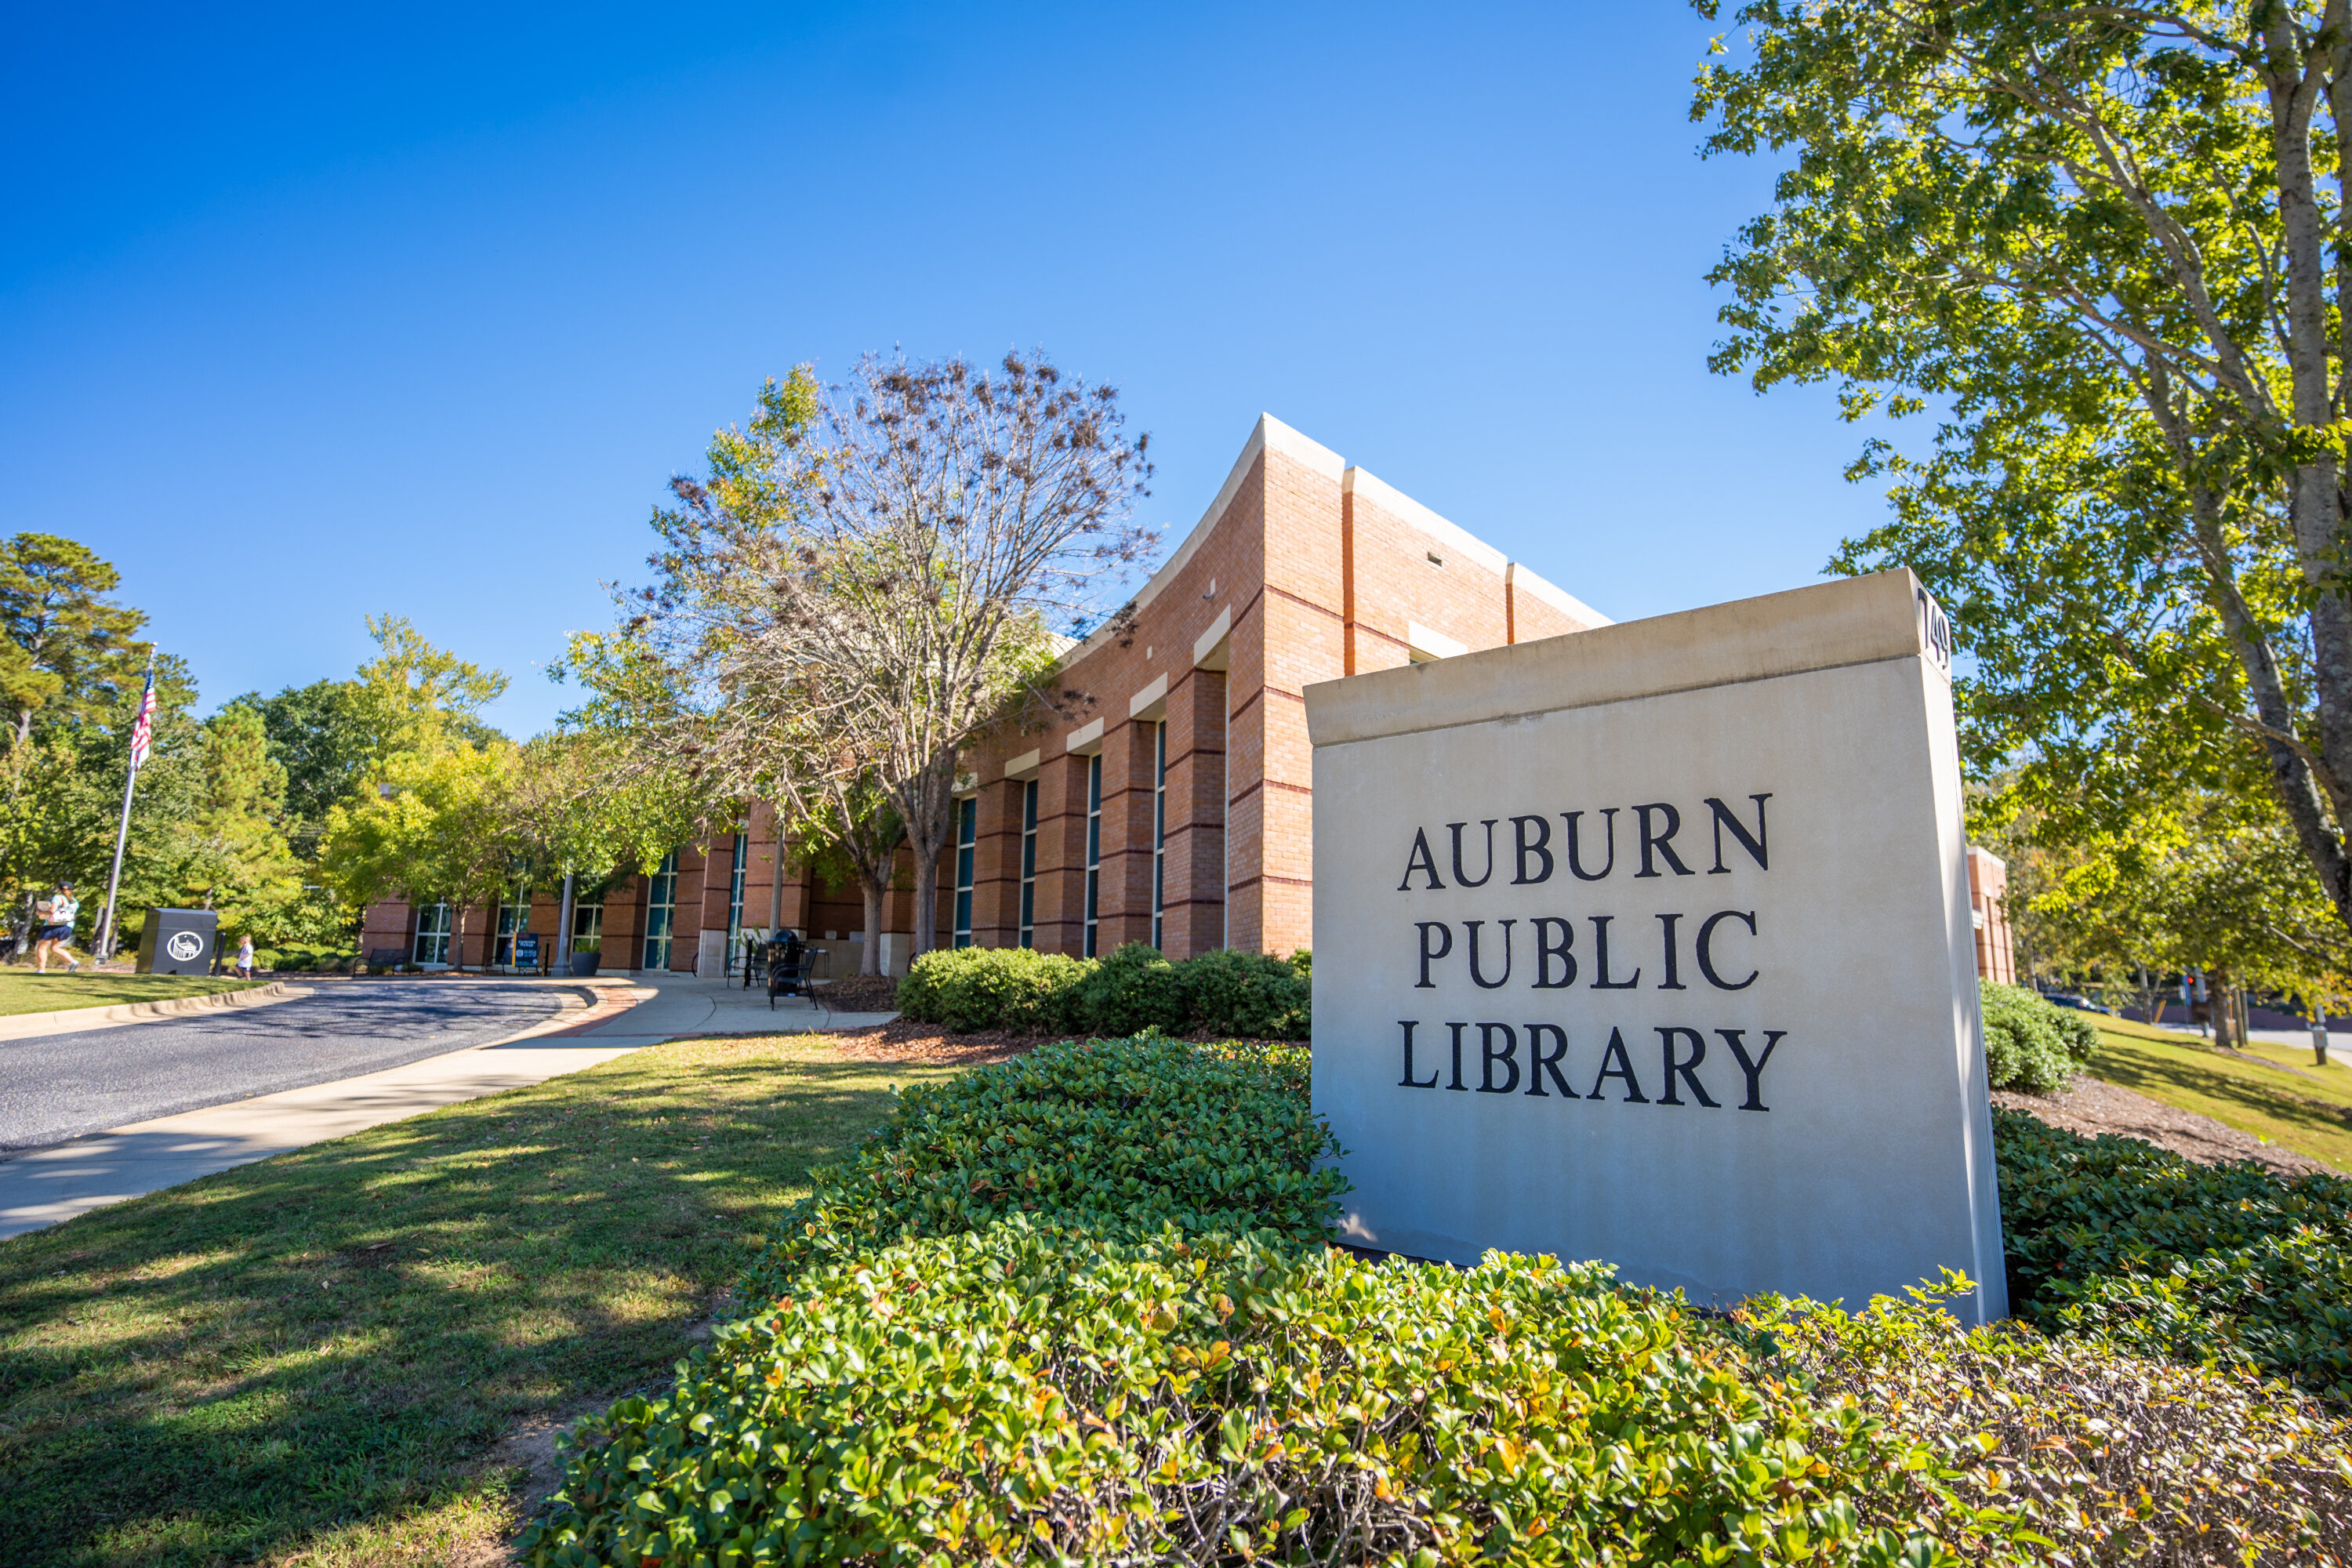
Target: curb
18 1025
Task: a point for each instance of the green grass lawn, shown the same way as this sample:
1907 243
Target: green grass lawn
25 990
311 1359
2309 1114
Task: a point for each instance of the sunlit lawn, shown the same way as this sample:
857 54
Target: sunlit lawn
23 989
2309 1114
310 1359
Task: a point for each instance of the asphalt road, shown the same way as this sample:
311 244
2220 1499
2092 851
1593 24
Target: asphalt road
56 1087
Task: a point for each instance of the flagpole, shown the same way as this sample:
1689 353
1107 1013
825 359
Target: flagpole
122 829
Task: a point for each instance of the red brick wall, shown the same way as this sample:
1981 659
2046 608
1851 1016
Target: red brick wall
1989 907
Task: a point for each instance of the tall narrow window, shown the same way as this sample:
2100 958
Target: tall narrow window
1158 830
588 926
1029 864
433 934
661 911
735 889
967 853
1094 849
514 919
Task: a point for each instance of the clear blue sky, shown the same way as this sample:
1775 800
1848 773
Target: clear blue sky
314 312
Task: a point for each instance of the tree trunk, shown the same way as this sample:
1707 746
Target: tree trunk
2222 994
930 816
876 892
927 901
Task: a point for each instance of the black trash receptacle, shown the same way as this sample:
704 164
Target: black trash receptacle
179 942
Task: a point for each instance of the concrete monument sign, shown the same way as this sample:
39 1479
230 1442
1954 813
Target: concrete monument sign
1652 944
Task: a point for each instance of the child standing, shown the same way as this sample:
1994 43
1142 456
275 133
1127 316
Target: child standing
244 958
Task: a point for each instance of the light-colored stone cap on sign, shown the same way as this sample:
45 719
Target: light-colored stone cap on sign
1858 620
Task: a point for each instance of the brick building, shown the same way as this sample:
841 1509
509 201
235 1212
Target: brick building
1988 911
1178 811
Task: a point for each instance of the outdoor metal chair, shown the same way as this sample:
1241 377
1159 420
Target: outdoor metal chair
787 965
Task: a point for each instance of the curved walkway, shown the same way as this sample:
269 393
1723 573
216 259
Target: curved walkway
60 1086
407 1028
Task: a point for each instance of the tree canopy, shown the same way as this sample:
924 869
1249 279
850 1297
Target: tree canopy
2103 247
65 648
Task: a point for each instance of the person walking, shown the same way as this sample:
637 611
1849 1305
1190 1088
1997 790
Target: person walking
55 915
244 958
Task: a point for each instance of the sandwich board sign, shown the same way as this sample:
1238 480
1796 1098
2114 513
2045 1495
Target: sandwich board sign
1651 945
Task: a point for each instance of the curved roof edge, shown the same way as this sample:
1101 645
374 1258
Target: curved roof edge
1269 432
1272 433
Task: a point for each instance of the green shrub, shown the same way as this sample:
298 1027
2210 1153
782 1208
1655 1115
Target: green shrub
1017 1327
1133 990
969 988
1025 1394
2031 1044
2111 1457
1029 1396
1122 1135
2221 1263
1248 995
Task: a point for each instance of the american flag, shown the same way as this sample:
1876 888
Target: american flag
143 729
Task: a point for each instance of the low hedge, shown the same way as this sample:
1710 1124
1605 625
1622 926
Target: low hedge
296 958
1030 1394
1033 1396
1118 1136
2213 1263
1251 995
1076 1308
2031 1044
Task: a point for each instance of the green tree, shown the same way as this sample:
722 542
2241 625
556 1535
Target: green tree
2105 246
234 856
416 698
66 648
319 734
439 829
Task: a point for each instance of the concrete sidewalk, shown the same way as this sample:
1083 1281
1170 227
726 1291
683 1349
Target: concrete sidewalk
47 1186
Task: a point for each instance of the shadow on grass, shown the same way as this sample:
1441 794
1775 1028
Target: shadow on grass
2170 1071
341 1334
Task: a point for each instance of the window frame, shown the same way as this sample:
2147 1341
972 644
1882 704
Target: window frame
1094 853
513 920
739 859
591 914
1029 863
661 912
967 859
1159 832
433 925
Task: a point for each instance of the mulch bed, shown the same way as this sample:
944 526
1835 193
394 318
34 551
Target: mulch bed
904 1040
2091 1108
859 993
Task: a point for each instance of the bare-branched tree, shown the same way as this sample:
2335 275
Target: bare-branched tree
871 578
